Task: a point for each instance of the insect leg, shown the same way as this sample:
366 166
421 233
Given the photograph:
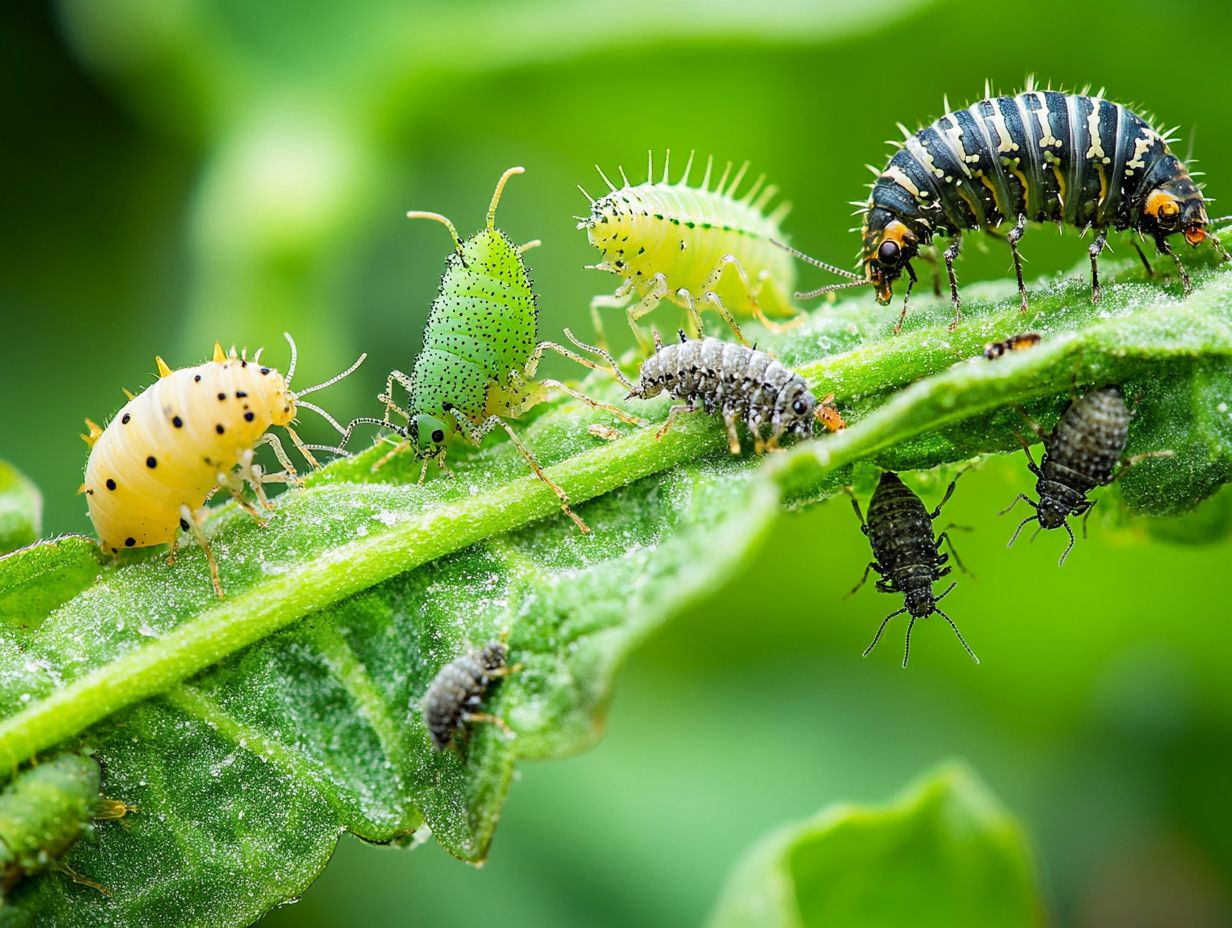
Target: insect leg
252 474
1020 496
872 565
303 449
961 639
387 396
618 300
949 491
1139 458
911 282
945 536
653 297
496 720
76 877
591 401
733 439
1022 524
671 419
493 421
188 517
855 504
752 289
1014 236
1097 247
950 254
1162 244
1086 515
881 628
269 438
1146 263
602 352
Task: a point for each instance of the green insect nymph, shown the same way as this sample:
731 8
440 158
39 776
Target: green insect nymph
480 352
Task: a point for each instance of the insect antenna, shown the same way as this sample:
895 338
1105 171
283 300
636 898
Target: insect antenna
880 629
809 294
961 639
325 383
809 259
496 195
371 420
304 404
294 358
1069 547
605 355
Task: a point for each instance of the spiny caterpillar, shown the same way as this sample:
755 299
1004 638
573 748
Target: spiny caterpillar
1082 452
738 382
190 433
1041 156
693 246
480 353
457 692
906 555
44 810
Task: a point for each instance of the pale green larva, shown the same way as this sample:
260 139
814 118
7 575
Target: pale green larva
696 247
480 352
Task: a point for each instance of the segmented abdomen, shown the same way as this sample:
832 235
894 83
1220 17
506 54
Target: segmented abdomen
901 534
719 375
165 448
482 326
682 232
1046 155
1088 441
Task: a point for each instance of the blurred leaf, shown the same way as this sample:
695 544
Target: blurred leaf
944 854
250 739
21 509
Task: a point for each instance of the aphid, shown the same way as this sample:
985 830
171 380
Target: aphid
480 353
906 555
1080 454
738 382
190 433
1041 156
44 810
458 690
692 246
994 350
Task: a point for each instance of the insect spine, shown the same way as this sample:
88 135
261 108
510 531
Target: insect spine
1081 453
738 382
906 555
457 692
696 247
480 354
1040 156
191 433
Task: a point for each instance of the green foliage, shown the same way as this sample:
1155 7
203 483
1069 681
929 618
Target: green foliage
21 509
945 851
252 731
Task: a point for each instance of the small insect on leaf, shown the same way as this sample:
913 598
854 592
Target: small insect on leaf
455 697
698 247
994 350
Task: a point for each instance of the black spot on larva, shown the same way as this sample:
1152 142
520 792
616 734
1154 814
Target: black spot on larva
129 542
221 397
248 417
111 484
184 524
265 370
240 394
89 492
124 419
177 422
151 462
219 429
197 378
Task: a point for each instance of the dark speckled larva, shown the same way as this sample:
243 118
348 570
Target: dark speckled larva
906 554
739 382
458 690
1080 454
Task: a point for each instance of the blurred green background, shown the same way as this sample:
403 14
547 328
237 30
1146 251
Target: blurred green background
180 171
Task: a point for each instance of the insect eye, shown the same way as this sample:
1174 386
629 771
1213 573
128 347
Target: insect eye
438 435
799 407
888 252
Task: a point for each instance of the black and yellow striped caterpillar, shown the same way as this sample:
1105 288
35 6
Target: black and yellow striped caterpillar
1040 156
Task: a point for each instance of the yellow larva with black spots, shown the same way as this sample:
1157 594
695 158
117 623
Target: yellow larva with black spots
190 433
697 247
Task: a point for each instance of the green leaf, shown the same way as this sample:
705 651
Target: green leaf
21 509
944 853
252 731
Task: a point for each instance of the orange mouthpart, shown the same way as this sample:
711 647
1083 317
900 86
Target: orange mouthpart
1195 235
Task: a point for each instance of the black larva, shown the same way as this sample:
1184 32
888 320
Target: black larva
739 382
1040 156
906 555
1080 454
458 690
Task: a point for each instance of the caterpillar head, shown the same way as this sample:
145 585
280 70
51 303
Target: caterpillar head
1174 206
888 247
427 434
